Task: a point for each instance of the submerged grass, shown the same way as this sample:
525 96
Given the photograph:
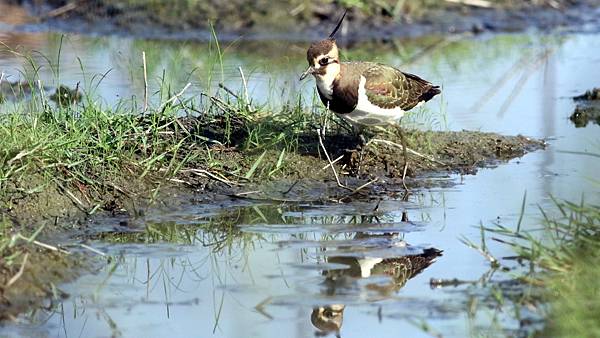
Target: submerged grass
556 280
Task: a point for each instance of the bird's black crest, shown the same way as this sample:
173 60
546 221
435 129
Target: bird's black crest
339 24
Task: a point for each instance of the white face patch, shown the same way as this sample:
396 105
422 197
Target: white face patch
369 114
325 81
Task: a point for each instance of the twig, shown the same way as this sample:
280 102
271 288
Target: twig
334 162
93 250
176 180
202 172
390 143
290 188
24 153
337 178
50 247
365 185
19 273
60 10
74 198
40 244
260 307
440 283
119 189
220 103
474 3
240 194
175 97
145 81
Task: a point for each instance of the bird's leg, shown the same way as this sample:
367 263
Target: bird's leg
362 140
362 144
359 132
403 141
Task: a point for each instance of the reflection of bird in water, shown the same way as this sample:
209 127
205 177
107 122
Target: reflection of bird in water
400 269
329 318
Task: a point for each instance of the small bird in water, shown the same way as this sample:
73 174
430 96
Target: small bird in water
329 318
364 93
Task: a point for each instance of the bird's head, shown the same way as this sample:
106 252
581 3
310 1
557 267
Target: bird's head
328 319
323 57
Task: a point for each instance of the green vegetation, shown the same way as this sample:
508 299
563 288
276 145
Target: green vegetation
558 271
237 15
67 155
570 255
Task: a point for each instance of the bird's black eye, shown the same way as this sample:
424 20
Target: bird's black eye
324 61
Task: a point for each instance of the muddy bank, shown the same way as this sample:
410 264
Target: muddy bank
372 170
585 114
587 109
231 167
430 152
213 157
217 154
302 21
30 279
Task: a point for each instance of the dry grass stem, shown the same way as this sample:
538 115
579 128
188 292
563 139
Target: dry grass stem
19 273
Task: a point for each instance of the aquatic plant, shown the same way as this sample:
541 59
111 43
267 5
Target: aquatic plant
557 271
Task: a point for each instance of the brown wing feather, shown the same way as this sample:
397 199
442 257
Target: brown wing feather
388 87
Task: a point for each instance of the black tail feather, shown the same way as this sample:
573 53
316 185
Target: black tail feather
429 90
428 95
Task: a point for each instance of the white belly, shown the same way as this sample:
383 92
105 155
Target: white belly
367 264
369 114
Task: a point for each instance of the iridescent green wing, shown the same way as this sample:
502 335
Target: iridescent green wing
388 87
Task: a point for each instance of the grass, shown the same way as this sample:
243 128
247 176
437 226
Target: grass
73 156
557 272
86 148
68 152
72 142
94 155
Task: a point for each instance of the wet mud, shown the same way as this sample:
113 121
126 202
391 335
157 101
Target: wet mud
306 178
587 110
31 282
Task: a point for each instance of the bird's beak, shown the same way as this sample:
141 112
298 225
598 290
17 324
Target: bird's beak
308 71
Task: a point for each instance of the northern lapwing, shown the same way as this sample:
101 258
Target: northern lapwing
364 93
329 318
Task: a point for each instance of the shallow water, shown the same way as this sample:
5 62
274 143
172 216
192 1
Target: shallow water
237 268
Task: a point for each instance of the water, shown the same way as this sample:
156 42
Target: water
242 269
